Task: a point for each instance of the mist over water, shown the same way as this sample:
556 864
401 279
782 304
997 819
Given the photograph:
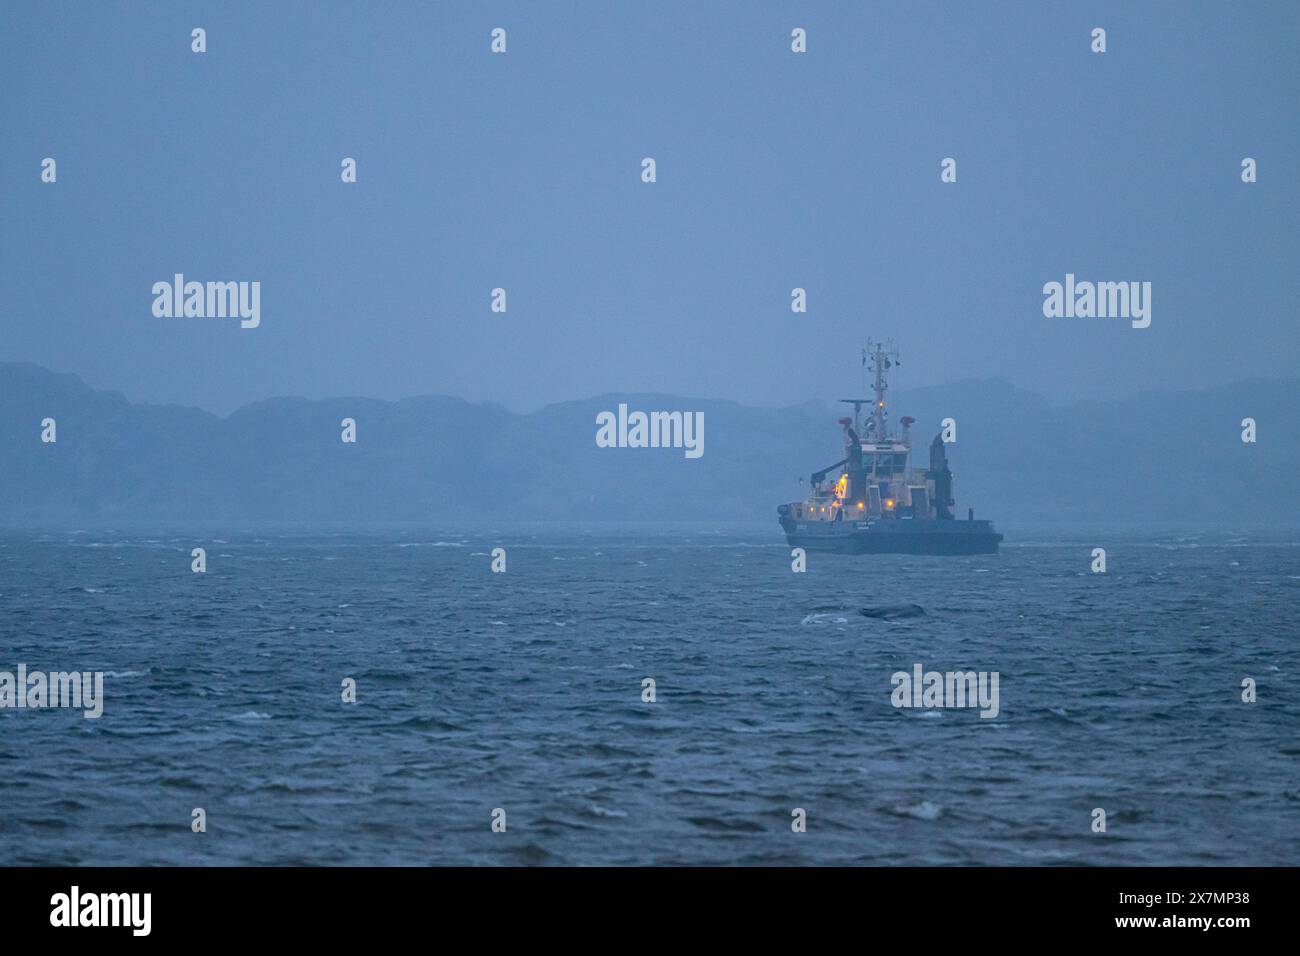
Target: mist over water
523 691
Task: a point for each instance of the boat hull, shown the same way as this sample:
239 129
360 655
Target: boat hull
893 536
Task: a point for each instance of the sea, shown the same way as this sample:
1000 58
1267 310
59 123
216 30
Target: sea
648 696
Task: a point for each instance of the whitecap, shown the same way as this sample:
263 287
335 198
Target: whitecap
831 618
925 810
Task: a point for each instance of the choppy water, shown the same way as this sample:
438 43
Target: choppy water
523 691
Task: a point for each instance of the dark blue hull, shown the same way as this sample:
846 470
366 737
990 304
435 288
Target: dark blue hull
893 536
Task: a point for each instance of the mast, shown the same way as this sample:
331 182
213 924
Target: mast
880 354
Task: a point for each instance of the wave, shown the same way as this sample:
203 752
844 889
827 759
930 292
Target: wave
925 810
251 715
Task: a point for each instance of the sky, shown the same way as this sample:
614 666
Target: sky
522 170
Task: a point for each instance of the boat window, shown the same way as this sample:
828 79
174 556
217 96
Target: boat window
889 463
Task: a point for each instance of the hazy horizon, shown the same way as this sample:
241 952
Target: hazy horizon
1017 458
831 403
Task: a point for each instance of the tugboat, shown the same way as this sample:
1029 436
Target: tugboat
872 501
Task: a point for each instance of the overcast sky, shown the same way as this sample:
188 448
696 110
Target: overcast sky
523 171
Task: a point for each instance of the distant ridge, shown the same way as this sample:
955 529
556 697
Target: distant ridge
1159 458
